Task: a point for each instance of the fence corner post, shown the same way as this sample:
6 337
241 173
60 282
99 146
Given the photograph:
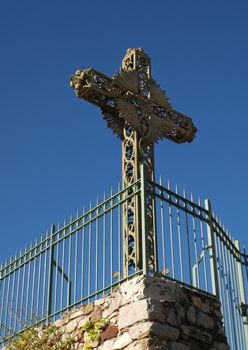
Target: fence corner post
212 250
242 292
144 233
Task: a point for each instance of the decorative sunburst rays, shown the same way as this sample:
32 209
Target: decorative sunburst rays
129 81
128 108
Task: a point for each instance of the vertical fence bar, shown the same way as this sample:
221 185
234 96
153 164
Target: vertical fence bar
171 238
89 252
204 250
3 283
242 293
17 298
44 277
111 238
28 282
50 282
179 242
104 244
238 300
222 292
197 275
22 294
82 258
143 195
62 269
33 281
119 234
56 265
226 291
11 315
75 260
38 287
96 247
234 296
68 302
6 330
125 244
212 250
229 296
162 231
235 267
6 307
188 242
2 305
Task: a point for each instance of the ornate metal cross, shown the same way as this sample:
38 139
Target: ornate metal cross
139 113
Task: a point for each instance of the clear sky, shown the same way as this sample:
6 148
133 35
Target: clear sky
56 153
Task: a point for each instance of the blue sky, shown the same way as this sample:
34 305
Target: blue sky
56 153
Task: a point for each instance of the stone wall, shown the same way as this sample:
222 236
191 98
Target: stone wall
147 313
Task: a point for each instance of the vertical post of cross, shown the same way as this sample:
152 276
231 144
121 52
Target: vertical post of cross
212 251
137 155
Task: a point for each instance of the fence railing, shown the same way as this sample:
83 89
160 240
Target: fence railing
195 248
73 264
82 260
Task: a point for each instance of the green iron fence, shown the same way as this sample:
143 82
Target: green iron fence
195 248
83 259
71 265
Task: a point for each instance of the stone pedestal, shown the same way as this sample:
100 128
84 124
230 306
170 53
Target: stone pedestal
147 313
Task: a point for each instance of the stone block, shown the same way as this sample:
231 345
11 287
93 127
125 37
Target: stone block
203 306
96 315
130 290
71 326
110 332
140 330
122 341
191 315
115 305
205 321
171 318
178 346
77 313
158 289
61 322
99 302
142 344
140 311
180 310
220 346
108 345
164 331
182 295
148 344
88 309
82 321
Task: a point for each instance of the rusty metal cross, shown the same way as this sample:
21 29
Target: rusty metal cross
139 113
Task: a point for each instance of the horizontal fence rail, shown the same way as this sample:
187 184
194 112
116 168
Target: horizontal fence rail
82 260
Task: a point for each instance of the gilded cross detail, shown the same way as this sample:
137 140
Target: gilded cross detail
139 113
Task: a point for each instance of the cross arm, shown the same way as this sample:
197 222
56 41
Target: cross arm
173 125
94 87
119 101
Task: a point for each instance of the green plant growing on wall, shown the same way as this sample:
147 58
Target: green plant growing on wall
91 330
45 338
